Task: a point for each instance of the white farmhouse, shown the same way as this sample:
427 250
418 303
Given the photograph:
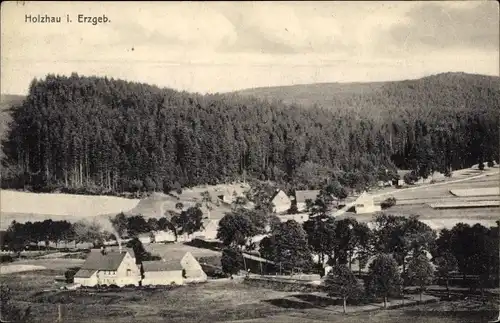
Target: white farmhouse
365 204
281 202
113 267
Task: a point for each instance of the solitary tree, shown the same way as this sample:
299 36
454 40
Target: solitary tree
119 223
420 272
234 229
321 236
189 221
231 261
384 278
206 198
446 264
342 282
291 248
140 252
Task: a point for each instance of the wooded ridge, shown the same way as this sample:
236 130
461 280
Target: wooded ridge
112 135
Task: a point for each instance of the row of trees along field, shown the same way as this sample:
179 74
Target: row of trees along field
111 135
19 235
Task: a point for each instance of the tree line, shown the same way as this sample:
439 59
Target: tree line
20 235
105 136
181 222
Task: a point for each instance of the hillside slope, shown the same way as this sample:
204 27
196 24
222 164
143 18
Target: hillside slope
103 136
446 90
7 101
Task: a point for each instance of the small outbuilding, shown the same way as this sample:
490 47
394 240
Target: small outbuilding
365 204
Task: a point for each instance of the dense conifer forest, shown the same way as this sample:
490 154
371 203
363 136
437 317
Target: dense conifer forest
108 135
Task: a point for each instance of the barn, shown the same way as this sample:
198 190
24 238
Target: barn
302 196
162 273
173 271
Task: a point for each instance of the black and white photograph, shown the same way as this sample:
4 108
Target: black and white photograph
249 161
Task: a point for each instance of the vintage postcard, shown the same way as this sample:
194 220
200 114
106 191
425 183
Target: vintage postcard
287 161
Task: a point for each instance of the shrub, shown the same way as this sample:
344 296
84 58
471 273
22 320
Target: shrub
447 173
293 209
490 163
389 202
178 188
6 258
410 178
481 166
70 275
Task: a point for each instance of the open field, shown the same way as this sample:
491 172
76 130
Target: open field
495 191
416 200
441 191
226 301
31 265
24 206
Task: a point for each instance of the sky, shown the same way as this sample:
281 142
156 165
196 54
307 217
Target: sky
222 46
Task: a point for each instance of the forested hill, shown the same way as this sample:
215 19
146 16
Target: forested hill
456 91
6 102
99 134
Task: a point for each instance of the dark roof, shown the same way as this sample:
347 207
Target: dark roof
110 260
302 196
117 249
85 273
161 265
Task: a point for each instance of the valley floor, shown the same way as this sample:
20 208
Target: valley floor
226 301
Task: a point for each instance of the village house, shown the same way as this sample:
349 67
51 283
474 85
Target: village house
226 196
298 217
281 202
365 204
302 196
193 273
109 267
398 182
209 231
145 238
163 236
